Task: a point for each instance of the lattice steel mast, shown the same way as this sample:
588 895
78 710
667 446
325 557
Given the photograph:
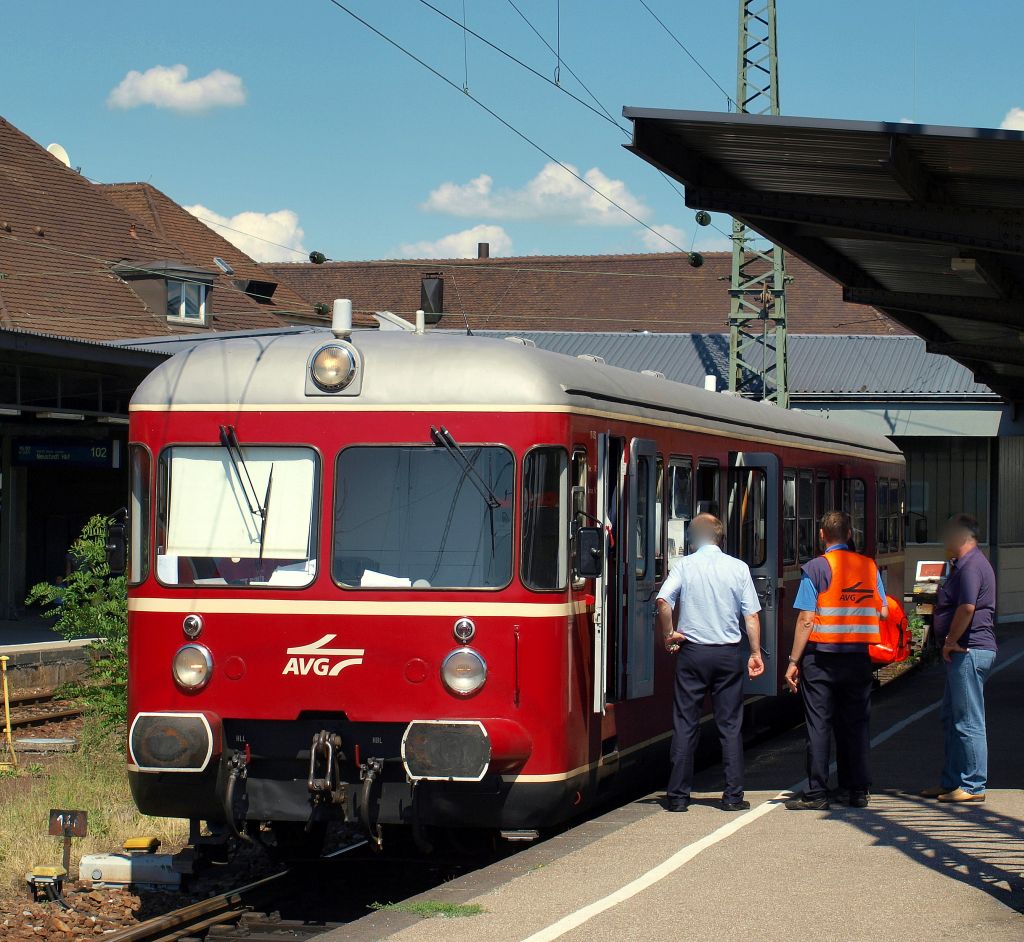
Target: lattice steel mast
758 361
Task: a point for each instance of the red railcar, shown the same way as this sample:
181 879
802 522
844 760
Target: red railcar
358 567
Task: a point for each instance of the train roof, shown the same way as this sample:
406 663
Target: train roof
444 372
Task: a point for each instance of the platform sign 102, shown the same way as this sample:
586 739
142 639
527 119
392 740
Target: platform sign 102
81 454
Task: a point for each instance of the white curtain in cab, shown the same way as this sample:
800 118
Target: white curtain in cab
209 515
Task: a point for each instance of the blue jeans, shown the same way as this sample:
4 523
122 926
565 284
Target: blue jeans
963 721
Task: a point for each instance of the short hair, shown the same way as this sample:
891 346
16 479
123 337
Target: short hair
966 522
836 525
710 526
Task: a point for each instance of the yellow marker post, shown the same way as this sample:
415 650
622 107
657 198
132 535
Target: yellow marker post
6 766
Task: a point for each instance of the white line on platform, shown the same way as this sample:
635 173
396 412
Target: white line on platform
685 855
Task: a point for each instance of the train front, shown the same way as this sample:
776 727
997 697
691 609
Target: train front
335 588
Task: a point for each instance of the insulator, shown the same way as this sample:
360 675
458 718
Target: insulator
703 217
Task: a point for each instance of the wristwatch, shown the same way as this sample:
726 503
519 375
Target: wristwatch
794 660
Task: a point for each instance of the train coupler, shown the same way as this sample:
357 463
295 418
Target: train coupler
324 779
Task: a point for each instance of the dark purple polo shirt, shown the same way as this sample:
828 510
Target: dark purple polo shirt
970 582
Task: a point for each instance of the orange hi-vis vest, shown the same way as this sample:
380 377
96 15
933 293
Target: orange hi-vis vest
849 609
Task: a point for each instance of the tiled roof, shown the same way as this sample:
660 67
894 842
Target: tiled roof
61 236
200 244
660 292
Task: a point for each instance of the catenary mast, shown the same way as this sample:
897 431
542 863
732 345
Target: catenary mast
758 361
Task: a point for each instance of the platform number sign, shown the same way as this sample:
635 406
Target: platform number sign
68 823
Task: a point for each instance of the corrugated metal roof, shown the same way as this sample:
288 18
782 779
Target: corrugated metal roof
821 366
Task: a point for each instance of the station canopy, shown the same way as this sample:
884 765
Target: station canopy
924 223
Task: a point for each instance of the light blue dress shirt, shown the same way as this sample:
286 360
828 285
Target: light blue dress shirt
714 592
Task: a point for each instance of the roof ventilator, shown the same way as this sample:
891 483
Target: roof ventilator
590 358
522 341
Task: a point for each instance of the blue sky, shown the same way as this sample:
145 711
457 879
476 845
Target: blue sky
307 129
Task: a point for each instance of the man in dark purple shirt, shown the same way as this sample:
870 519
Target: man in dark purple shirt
964 624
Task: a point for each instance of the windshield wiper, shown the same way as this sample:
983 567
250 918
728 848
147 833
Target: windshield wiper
266 514
443 437
229 439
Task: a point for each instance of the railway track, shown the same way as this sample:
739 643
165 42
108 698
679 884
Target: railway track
247 912
43 715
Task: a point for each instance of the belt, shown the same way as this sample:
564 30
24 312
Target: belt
709 644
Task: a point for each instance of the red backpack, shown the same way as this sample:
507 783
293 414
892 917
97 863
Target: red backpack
895 644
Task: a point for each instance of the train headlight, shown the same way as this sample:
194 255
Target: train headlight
192 666
333 367
464 671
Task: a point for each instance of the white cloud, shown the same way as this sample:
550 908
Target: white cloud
461 244
170 87
1014 120
254 232
654 243
553 194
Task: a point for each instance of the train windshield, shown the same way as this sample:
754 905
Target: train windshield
243 518
417 517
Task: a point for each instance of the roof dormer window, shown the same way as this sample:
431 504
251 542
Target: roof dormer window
186 301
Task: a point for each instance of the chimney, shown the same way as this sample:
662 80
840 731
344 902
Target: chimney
483 250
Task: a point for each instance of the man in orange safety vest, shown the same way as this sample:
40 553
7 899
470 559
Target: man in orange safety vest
840 600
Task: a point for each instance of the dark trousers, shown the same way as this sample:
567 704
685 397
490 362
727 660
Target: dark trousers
702 669
836 690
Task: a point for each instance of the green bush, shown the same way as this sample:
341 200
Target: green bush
91 603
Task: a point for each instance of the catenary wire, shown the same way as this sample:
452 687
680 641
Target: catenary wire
511 127
693 58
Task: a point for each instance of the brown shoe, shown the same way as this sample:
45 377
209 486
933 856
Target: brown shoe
933 792
960 797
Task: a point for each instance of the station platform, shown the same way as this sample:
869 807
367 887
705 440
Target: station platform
905 868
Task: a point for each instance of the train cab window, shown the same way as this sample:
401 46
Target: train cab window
545 560
416 517
855 504
141 468
789 516
807 533
748 515
242 518
580 517
707 487
680 507
882 516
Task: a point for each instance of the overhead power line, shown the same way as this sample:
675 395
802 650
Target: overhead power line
511 127
692 57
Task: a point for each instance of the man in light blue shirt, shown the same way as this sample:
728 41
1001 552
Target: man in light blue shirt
715 594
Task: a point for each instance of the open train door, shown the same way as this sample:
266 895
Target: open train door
641 576
753 534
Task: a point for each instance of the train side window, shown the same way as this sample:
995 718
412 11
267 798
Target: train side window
707 487
659 518
545 561
141 465
789 516
806 536
579 496
894 522
854 503
748 520
882 515
680 506
823 499
642 557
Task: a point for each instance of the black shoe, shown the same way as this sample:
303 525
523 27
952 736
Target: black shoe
677 804
803 803
858 799
738 805
842 795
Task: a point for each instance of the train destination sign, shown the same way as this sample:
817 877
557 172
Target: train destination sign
80 454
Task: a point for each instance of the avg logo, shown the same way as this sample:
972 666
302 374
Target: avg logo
855 593
318 659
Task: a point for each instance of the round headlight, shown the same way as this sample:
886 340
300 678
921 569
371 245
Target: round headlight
192 666
464 671
333 367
